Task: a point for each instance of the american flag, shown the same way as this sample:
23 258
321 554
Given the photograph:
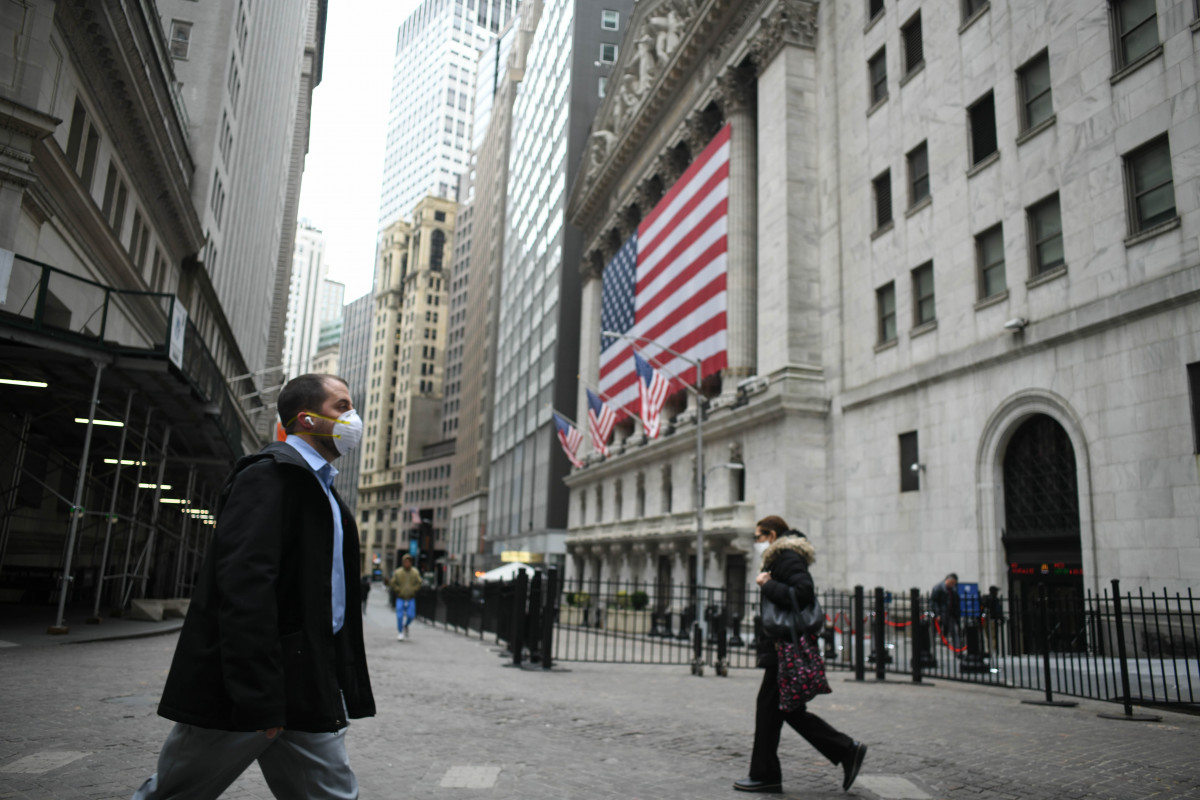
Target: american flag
601 419
415 515
667 283
653 389
570 437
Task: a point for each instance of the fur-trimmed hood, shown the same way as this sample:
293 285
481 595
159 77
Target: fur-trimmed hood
797 544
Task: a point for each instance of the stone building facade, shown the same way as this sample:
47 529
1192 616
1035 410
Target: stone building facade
964 291
402 408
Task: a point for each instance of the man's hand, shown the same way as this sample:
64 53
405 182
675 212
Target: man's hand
272 732
762 578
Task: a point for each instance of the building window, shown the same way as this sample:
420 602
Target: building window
603 84
918 174
914 47
1150 185
75 138
1136 27
877 74
88 171
181 37
1193 376
972 7
910 463
885 303
1034 84
874 8
989 255
610 20
1045 235
110 189
922 283
608 53
882 187
982 116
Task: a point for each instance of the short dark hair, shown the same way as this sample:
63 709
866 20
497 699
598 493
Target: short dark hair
303 393
953 575
773 523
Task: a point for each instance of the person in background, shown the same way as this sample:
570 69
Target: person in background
993 616
365 583
943 602
785 555
406 581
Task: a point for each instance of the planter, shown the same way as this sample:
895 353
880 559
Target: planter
571 615
626 621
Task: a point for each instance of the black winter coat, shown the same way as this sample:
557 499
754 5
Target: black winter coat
257 649
788 568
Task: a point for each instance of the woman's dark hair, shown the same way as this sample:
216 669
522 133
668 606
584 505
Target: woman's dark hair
303 393
773 523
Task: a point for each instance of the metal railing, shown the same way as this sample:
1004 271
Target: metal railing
1129 648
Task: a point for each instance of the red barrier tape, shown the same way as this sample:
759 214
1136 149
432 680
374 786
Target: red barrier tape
937 625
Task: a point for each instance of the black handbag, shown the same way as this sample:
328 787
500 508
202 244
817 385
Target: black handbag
788 623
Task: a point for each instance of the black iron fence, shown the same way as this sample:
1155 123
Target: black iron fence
1129 647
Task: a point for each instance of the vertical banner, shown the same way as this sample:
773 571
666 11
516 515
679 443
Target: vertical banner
178 330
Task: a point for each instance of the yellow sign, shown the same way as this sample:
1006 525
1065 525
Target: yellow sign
524 556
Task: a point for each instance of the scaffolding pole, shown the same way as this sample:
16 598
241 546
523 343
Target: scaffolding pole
162 467
60 626
10 501
111 516
137 491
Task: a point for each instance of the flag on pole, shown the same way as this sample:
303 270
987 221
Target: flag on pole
570 437
667 283
653 389
415 515
601 419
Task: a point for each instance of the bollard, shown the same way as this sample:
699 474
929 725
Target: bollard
879 646
736 639
549 615
533 618
697 649
860 668
517 617
918 654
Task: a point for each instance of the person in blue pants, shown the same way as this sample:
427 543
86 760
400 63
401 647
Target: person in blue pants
405 582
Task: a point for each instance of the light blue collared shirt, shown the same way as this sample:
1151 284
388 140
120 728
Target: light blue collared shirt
326 473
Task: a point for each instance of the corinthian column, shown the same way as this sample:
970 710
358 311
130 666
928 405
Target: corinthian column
736 96
589 331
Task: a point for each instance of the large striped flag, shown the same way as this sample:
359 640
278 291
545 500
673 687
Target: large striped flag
570 437
653 389
667 283
601 419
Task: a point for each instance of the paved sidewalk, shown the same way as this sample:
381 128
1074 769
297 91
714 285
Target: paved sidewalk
25 626
455 722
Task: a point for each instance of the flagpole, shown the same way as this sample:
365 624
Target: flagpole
700 626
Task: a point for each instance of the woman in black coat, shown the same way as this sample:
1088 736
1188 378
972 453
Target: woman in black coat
786 555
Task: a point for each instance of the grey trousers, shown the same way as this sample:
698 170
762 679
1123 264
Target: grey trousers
199 764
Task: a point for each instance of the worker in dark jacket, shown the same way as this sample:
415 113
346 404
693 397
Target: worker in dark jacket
269 665
786 555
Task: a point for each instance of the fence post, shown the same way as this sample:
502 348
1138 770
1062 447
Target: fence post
879 634
1121 654
516 641
1044 622
549 616
860 668
918 640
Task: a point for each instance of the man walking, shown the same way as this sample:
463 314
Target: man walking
943 602
269 665
405 583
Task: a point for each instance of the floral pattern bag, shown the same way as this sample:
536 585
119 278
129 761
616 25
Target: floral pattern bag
801 672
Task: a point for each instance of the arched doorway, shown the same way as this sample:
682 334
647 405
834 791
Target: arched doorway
1041 534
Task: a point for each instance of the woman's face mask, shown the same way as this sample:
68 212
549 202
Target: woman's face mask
759 549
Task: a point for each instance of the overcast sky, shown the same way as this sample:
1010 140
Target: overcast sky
340 191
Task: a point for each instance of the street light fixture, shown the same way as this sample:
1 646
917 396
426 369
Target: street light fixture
700 472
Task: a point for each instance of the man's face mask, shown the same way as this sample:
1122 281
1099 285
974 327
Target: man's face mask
347 430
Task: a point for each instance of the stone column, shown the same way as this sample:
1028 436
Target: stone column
589 334
736 96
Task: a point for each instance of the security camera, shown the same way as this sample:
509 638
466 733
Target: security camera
915 467
1016 324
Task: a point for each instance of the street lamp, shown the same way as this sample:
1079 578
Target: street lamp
701 475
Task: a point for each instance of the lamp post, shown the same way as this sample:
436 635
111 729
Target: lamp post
700 471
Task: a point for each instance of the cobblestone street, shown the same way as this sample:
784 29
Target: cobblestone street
454 722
